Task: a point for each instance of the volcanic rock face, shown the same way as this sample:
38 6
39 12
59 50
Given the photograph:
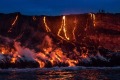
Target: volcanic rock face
47 41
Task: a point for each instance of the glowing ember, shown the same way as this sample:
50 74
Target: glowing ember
84 55
13 60
46 26
2 52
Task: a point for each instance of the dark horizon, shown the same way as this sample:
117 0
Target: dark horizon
56 7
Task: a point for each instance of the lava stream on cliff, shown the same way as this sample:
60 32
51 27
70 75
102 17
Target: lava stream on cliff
13 23
63 27
46 26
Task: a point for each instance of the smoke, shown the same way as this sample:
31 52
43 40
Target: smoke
99 56
47 44
24 52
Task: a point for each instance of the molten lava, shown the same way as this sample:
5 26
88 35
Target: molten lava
93 18
4 50
46 26
73 32
13 60
16 18
63 27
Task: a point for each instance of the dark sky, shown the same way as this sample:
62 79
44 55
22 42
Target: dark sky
56 7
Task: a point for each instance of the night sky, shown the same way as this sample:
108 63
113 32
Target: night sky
57 7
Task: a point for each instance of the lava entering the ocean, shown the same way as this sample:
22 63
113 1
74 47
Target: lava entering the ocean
54 41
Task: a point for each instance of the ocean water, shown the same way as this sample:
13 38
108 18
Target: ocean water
62 73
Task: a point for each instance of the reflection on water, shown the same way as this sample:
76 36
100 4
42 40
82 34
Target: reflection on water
60 74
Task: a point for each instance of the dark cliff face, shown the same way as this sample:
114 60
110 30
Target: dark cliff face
108 30
36 23
86 38
102 28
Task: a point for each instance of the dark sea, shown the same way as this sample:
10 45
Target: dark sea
61 73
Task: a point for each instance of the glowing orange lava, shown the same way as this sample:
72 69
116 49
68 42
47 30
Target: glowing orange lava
93 18
3 50
63 27
73 32
13 60
41 63
16 18
84 55
46 26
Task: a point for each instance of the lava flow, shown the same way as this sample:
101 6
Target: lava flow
75 22
93 18
54 56
72 40
46 26
63 27
16 18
